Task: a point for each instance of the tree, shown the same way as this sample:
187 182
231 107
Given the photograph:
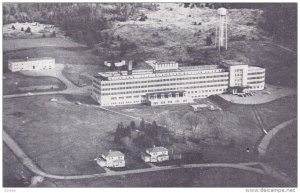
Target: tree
142 125
208 40
193 120
28 30
143 17
132 125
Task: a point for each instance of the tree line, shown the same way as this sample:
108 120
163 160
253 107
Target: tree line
144 135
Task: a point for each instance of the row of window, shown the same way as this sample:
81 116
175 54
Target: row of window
256 82
255 73
127 102
256 77
169 102
160 85
164 80
164 89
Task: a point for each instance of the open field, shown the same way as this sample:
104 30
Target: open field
61 137
282 151
200 177
15 81
19 44
281 110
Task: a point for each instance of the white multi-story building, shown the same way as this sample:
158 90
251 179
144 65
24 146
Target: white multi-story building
44 63
167 83
113 159
155 154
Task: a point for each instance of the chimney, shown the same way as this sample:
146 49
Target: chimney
130 67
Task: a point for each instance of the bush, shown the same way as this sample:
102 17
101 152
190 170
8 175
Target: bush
53 34
28 30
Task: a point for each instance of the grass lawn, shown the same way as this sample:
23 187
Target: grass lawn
276 112
13 170
11 78
282 151
234 122
18 44
200 177
61 137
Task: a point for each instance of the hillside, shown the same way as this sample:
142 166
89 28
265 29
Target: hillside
171 33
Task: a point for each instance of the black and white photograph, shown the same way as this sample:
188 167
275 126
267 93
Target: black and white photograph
149 95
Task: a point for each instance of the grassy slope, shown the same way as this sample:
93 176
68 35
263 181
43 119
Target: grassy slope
61 136
176 31
12 170
9 86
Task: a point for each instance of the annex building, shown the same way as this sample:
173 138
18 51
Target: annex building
43 63
167 83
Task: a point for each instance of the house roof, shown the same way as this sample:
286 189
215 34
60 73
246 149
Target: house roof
157 149
113 154
31 59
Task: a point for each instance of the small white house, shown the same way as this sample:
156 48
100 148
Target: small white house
155 154
113 159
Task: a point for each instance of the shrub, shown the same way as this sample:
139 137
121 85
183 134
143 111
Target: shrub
28 30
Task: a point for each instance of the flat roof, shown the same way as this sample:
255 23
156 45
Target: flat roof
232 62
103 75
30 59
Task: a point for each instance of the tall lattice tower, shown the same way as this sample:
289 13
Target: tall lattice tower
221 30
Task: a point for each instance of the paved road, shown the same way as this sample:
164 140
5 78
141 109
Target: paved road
83 90
266 169
264 143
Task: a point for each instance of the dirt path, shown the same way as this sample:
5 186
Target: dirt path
285 48
264 143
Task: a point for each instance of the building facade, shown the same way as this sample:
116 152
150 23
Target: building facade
44 63
155 154
113 159
167 83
